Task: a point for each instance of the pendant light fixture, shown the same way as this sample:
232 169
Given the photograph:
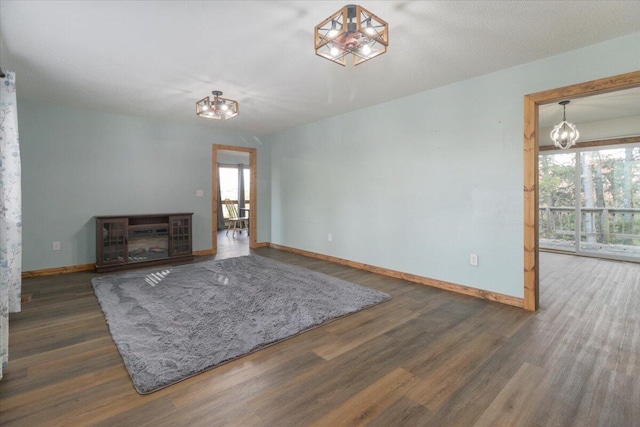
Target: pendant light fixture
217 108
354 32
564 134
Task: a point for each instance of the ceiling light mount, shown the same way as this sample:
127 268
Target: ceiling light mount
354 32
217 108
564 134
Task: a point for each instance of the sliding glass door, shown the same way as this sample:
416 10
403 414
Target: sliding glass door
590 202
235 185
557 201
610 202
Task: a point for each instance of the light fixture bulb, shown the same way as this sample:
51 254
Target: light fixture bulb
334 51
369 29
366 49
333 32
224 107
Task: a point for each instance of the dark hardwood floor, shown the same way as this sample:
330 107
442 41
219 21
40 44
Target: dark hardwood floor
426 358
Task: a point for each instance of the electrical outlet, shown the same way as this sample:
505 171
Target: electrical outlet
473 260
330 237
56 246
199 193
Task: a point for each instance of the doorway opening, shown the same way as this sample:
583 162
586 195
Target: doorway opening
234 179
531 166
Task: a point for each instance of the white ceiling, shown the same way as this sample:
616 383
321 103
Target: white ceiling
157 58
612 105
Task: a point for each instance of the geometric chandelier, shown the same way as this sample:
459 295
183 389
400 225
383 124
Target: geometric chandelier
217 108
564 134
353 32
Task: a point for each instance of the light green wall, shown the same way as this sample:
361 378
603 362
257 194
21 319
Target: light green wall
414 185
79 164
420 183
233 158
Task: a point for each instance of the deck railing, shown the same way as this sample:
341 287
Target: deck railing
607 225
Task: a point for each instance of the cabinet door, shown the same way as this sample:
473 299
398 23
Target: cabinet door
180 235
112 241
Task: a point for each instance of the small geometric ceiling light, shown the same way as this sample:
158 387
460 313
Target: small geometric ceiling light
564 134
218 108
354 31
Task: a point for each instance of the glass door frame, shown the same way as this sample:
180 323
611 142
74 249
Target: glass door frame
550 215
579 207
578 202
246 171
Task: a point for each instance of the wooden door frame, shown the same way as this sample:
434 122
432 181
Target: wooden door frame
253 193
531 147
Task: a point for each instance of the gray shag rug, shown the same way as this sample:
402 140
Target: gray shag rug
174 322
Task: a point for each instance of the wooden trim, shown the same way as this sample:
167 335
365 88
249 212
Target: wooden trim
582 90
204 252
235 148
531 255
253 193
531 147
214 199
595 143
441 284
58 270
262 245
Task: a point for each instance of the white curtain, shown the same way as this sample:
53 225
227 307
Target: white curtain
10 212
